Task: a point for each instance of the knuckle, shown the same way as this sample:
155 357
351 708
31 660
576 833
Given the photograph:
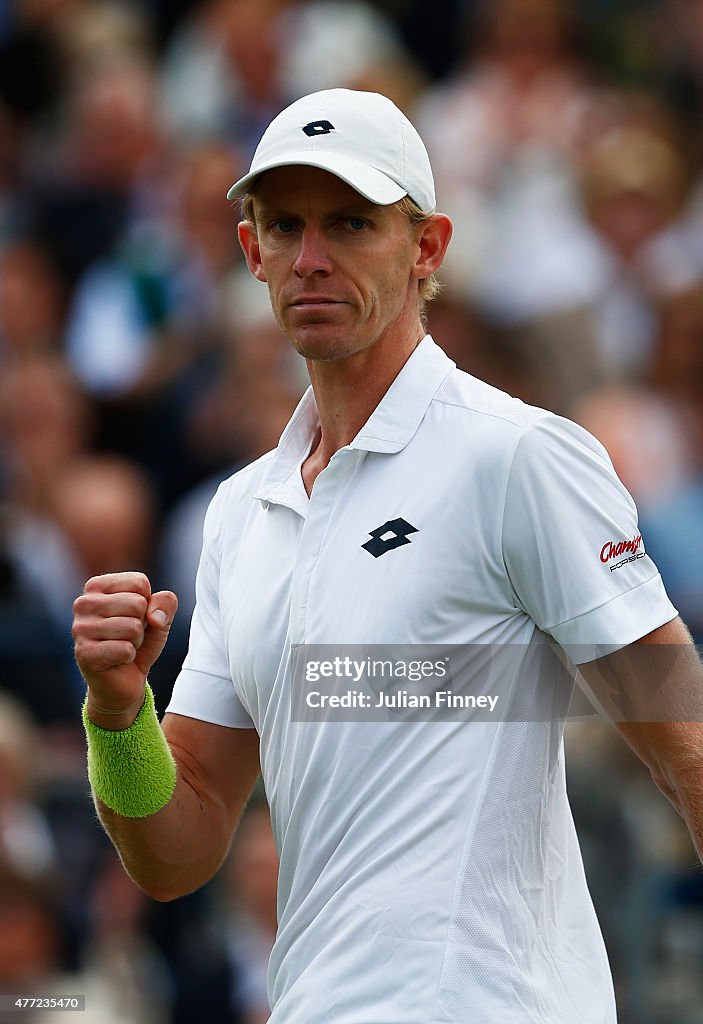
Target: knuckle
82 651
95 583
134 630
142 586
128 652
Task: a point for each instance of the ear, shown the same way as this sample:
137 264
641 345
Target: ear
435 235
249 241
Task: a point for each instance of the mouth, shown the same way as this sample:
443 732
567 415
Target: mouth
317 309
314 302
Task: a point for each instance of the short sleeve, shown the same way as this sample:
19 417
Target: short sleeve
572 547
204 688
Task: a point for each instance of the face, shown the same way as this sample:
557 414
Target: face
342 272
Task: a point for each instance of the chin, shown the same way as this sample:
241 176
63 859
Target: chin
325 349
321 353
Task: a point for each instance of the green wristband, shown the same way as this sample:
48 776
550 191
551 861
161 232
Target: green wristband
131 770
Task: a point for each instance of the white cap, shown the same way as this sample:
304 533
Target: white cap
361 137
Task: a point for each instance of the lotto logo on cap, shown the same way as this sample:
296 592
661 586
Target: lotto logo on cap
361 137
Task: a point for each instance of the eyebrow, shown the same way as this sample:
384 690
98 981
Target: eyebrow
362 207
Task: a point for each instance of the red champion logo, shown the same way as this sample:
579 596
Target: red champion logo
614 549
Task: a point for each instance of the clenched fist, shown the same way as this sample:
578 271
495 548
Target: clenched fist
119 630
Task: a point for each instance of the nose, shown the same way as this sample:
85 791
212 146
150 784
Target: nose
313 256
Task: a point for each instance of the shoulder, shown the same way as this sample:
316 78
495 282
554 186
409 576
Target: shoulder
237 490
507 425
245 481
470 396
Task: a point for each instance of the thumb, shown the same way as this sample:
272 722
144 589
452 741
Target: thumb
159 616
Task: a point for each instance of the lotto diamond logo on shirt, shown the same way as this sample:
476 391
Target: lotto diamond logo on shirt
393 534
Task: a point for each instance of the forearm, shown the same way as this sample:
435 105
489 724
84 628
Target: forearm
653 690
166 823
687 798
674 754
176 850
169 794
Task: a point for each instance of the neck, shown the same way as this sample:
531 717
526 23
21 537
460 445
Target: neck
347 392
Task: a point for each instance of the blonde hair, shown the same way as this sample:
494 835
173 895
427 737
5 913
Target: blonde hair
429 287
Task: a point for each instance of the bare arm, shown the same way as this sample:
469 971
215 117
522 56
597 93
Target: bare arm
653 690
119 633
179 848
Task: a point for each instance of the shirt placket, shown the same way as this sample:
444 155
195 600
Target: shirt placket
329 485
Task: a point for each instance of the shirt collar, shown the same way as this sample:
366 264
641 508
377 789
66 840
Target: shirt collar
396 418
388 430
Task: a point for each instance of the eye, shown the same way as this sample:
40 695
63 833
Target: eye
283 227
356 223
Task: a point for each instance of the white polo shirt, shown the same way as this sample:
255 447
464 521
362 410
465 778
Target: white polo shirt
430 871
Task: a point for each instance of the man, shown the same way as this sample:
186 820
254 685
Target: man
429 869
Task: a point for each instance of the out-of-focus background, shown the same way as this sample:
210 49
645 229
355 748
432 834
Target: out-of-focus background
139 365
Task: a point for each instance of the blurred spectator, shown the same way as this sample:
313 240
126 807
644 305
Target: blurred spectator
341 44
122 981
240 417
672 529
99 519
105 508
676 368
27 41
221 75
123 974
31 302
678 51
644 436
635 183
567 196
140 318
458 326
652 430
103 172
11 156
435 43
146 328
44 427
639 863
96 517
673 524
556 354
92 34
29 939
602 259
26 844
502 133
236 63
525 89
45 422
251 879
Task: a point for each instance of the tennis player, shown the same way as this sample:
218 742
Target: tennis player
430 870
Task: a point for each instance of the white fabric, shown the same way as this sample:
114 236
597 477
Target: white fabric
430 871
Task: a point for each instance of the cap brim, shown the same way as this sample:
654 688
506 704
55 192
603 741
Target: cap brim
370 183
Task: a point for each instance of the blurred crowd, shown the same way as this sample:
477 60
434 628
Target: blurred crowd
140 364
